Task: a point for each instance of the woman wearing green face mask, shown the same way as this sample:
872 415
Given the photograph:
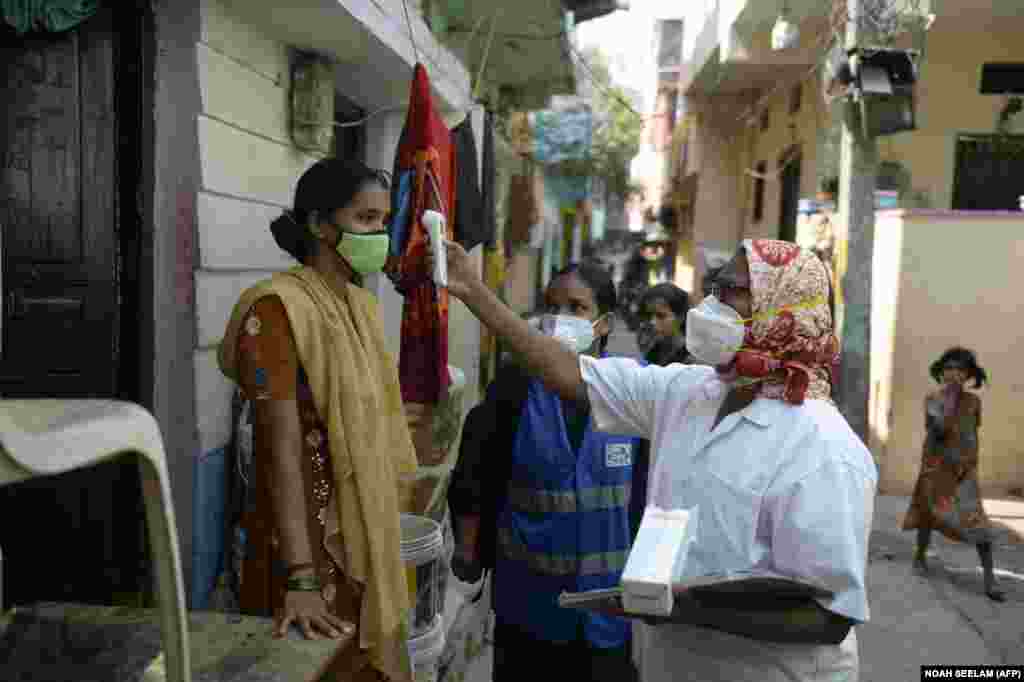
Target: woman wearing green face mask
332 451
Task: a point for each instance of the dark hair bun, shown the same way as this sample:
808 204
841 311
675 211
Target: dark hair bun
288 235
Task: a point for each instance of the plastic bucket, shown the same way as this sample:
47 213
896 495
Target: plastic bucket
425 652
423 555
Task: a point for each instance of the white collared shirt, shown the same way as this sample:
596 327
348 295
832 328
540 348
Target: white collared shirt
777 487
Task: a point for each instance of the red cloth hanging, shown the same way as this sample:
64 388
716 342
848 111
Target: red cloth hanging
426 152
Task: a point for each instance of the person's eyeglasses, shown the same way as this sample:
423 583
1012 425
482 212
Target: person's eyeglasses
718 286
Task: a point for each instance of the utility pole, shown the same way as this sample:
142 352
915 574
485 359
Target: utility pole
857 180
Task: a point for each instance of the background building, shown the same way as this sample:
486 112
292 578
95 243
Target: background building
761 158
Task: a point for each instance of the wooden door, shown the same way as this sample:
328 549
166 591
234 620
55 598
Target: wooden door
789 199
60 302
59 240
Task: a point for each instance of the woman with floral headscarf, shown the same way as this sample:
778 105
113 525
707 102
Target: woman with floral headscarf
947 497
753 445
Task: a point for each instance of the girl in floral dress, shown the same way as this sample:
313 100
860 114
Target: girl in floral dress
947 497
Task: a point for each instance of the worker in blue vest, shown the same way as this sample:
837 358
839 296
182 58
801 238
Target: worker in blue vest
558 501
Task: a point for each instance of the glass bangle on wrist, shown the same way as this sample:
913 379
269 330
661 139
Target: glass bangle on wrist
304 583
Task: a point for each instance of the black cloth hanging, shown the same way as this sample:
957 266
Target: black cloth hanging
469 228
489 217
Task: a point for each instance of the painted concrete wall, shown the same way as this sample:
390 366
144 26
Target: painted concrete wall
928 297
521 279
168 338
717 156
249 168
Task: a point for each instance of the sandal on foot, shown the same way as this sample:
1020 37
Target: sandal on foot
995 594
465 570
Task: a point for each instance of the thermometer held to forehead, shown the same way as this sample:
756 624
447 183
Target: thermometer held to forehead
434 222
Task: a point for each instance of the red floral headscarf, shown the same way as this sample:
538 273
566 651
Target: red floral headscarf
790 345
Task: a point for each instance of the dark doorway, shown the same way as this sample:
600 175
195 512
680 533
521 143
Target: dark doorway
789 193
988 173
70 224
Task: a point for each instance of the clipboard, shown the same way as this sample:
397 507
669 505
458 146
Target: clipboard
745 584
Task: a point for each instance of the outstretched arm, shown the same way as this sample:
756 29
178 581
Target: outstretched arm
550 360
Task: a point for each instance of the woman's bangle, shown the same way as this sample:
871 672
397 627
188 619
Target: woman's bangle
304 583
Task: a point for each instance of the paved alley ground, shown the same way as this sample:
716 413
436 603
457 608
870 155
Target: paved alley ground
942 618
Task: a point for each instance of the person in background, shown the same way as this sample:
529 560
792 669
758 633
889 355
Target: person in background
752 443
947 497
662 336
560 491
662 339
331 444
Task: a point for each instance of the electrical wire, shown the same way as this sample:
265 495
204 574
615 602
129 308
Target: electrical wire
412 37
522 36
364 119
605 89
475 87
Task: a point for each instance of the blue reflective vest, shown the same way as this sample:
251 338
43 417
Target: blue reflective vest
564 526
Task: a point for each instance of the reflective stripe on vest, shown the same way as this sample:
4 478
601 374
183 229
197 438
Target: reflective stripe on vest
595 563
598 498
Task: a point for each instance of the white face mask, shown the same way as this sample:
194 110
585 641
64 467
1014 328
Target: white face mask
714 332
574 332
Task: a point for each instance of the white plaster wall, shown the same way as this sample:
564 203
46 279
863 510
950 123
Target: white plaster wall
248 170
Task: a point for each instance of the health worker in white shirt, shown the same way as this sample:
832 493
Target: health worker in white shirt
753 442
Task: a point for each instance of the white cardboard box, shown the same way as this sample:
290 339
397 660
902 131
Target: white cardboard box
653 562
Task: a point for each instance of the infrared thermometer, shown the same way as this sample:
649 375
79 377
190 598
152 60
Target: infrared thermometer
434 222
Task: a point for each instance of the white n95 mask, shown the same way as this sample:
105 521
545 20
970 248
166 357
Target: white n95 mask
714 332
574 332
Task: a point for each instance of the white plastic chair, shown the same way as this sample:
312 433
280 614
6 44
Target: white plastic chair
46 437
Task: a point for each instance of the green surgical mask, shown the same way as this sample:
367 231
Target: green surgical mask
366 253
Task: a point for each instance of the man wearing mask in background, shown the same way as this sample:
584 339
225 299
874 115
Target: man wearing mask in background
753 444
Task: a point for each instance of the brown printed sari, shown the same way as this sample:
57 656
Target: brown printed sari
270 370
